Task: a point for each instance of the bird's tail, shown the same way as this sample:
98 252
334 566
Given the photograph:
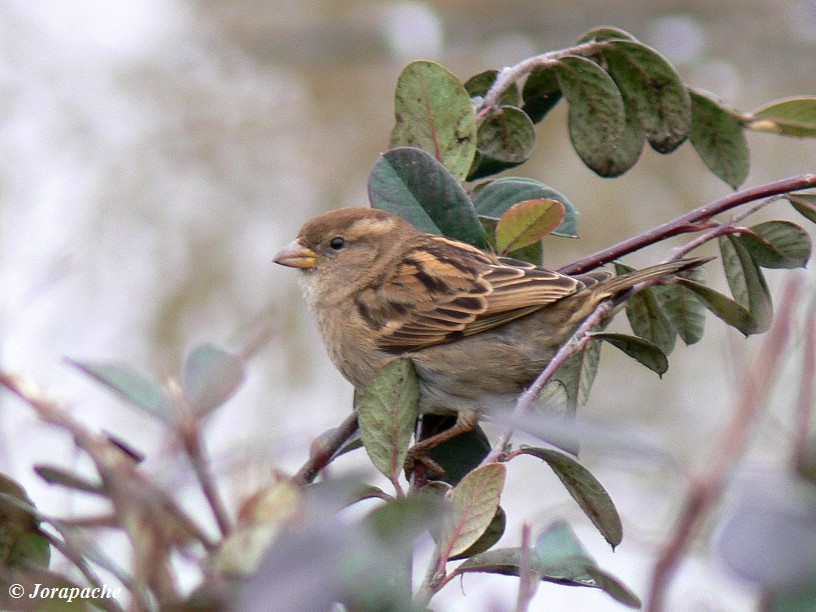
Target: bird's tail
618 284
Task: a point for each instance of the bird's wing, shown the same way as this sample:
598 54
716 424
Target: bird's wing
442 290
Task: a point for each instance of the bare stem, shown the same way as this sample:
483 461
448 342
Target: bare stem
513 74
692 221
747 407
201 466
324 448
528 580
124 483
807 389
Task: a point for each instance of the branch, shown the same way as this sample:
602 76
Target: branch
513 74
126 485
689 222
704 493
324 449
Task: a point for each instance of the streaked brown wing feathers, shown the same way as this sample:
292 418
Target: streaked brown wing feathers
442 291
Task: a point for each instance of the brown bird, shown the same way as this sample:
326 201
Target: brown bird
479 328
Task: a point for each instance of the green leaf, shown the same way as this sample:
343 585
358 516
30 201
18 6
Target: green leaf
434 112
131 385
778 244
804 203
682 307
746 282
528 222
541 92
605 33
506 139
652 86
578 373
790 117
507 562
499 196
491 535
412 184
457 456
211 376
639 349
56 475
647 318
387 414
718 137
585 489
473 504
22 544
559 552
478 85
597 117
723 307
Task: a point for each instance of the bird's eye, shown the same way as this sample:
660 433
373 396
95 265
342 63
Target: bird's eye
337 243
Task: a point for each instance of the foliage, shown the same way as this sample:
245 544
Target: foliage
449 140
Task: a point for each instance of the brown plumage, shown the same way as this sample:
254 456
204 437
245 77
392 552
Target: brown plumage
479 328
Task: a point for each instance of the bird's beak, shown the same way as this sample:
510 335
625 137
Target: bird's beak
296 255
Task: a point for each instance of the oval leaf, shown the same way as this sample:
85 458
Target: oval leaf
682 307
478 85
210 377
506 139
492 534
585 489
718 137
412 184
778 244
434 112
528 222
131 385
790 117
652 86
605 33
647 318
387 415
507 562
460 455
723 307
473 504
541 92
804 203
597 117
499 196
637 348
746 282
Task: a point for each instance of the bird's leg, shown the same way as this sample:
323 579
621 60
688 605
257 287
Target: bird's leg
466 420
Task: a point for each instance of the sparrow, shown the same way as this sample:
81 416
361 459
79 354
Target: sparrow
478 327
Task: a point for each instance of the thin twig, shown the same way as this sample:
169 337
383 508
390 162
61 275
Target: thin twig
513 74
324 448
433 581
122 479
807 390
689 222
528 579
201 466
747 406
75 556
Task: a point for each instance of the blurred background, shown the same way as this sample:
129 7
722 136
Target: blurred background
155 155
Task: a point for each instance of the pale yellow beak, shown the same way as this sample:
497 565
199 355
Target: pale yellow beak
296 255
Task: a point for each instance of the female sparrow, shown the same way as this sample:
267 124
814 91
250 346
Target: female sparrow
479 328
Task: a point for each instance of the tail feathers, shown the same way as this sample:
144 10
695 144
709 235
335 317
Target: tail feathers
617 285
